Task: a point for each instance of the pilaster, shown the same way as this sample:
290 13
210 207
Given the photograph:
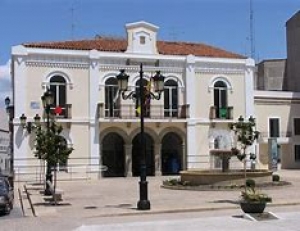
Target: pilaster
190 84
191 145
20 102
249 88
93 117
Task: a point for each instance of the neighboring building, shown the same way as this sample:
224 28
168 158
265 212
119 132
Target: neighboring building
271 75
283 74
293 53
278 83
278 117
4 142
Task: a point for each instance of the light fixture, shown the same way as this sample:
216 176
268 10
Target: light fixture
7 101
122 80
158 81
29 125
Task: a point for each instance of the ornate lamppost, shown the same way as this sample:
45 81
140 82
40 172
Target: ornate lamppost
144 94
47 101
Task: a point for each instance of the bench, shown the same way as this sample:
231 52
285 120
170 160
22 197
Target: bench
57 196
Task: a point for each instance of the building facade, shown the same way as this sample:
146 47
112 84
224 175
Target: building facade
206 88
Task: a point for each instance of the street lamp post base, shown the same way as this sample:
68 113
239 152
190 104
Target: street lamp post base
143 203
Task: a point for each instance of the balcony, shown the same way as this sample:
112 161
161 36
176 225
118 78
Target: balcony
128 111
282 137
225 113
66 112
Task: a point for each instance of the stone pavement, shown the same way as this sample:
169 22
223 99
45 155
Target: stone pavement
286 222
111 197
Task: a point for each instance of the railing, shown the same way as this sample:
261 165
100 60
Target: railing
280 134
225 113
66 112
127 111
36 173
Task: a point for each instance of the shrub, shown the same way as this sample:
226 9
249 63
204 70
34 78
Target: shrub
172 182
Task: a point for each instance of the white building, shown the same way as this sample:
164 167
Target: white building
206 88
4 143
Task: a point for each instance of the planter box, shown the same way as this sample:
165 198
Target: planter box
252 207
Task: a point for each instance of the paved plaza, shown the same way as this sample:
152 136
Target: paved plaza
110 204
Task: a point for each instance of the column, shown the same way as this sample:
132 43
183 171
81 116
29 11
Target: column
157 159
183 157
128 159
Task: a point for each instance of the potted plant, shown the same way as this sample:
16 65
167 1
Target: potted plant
253 201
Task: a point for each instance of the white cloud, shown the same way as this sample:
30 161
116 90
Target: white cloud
4 70
5 83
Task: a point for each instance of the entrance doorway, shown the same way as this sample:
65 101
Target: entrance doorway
137 155
113 156
171 157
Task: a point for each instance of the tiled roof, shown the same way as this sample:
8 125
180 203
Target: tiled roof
120 45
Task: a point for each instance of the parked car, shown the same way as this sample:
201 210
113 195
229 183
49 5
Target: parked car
6 196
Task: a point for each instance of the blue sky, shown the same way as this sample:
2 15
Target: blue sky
222 23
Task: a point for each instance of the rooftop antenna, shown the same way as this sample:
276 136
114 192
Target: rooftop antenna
252 35
174 33
72 20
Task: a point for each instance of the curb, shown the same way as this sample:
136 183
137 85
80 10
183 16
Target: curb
179 210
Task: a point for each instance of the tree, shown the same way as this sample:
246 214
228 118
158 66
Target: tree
52 147
246 135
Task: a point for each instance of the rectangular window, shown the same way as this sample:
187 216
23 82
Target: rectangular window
274 127
297 153
297 126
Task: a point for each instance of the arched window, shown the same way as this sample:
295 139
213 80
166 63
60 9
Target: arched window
112 105
58 88
171 99
220 99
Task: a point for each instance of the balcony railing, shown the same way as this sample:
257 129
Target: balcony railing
225 113
280 134
154 112
66 112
